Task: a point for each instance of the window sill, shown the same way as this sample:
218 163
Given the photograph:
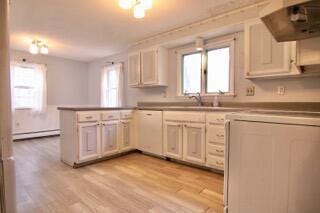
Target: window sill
232 95
23 108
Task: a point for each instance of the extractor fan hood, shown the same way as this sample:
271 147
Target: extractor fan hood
292 20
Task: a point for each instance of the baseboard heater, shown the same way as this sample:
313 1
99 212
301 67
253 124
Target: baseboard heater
28 135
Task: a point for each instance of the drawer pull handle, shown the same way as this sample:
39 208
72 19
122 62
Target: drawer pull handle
220 119
219 151
219 163
220 136
149 114
88 117
110 116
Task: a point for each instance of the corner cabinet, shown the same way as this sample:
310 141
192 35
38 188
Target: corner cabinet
148 67
264 56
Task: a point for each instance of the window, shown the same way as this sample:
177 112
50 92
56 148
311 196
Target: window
209 72
218 70
28 86
191 74
111 86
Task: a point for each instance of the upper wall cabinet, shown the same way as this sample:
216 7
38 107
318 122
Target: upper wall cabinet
134 69
148 67
264 56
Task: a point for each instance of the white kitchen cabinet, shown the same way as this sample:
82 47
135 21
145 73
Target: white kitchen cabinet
134 69
126 135
215 137
110 137
264 56
149 127
194 142
273 165
149 67
173 139
89 141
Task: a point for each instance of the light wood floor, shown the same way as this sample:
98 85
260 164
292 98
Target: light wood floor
132 183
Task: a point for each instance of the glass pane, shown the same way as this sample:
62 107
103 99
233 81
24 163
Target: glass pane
23 76
113 100
112 79
191 73
218 70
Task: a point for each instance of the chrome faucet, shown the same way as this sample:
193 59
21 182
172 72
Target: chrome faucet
198 99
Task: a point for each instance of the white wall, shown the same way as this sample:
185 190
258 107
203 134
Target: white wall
66 84
297 89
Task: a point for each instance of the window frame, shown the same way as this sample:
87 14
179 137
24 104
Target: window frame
106 89
212 45
182 73
26 65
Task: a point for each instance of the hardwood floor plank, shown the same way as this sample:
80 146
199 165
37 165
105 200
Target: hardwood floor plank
131 183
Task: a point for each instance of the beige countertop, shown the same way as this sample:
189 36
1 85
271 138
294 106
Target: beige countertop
92 108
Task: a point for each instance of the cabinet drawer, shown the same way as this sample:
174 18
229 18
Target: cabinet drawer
110 115
215 134
215 150
215 162
215 118
88 116
126 114
185 116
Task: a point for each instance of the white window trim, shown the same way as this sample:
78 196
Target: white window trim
216 44
104 89
43 101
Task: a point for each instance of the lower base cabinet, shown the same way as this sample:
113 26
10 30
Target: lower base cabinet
194 143
110 137
89 141
173 140
90 135
126 135
184 136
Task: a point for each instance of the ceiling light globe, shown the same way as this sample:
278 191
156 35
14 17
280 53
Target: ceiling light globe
44 49
125 4
138 11
33 48
147 4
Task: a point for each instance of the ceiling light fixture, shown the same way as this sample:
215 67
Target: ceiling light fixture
139 6
37 47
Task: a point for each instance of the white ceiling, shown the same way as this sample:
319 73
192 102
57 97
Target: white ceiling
90 29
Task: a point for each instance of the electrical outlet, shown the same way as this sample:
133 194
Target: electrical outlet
250 91
281 90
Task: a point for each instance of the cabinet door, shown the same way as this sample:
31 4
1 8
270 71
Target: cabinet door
194 142
134 69
89 141
173 139
110 137
271 170
126 135
149 67
264 56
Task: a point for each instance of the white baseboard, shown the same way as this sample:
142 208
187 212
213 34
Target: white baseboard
17 136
